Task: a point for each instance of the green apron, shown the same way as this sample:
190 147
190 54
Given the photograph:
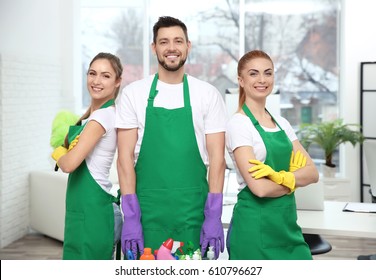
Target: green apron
171 176
266 228
89 220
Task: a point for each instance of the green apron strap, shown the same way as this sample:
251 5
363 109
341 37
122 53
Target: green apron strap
250 115
117 198
187 100
108 103
253 119
75 130
153 91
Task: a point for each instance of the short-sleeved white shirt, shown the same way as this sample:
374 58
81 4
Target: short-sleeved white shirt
240 132
100 158
208 107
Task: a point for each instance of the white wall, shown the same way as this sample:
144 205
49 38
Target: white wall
36 41
358 44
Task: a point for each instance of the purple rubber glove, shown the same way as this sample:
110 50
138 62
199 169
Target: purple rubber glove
212 228
132 237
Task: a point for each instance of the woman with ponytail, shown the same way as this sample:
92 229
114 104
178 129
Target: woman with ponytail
271 164
93 219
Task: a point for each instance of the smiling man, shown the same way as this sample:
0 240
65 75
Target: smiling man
171 151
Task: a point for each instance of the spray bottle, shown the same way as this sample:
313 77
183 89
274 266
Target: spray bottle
164 252
189 248
177 246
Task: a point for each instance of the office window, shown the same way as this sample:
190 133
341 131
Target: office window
115 27
302 39
300 35
119 27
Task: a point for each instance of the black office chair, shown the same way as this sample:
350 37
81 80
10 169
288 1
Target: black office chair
367 257
317 244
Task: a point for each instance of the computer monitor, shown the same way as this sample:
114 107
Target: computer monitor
370 156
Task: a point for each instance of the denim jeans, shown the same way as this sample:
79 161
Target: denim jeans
118 225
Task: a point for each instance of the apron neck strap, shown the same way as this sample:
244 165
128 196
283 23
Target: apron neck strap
253 119
108 103
250 115
76 129
187 101
153 91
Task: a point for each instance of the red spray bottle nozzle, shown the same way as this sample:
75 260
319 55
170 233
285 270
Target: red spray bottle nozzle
169 243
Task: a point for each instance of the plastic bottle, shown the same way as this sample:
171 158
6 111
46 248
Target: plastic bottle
164 252
129 255
189 248
210 253
196 256
147 255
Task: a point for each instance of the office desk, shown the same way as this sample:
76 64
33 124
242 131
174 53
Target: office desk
331 221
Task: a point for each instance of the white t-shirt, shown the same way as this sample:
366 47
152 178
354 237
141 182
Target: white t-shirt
100 158
208 107
240 132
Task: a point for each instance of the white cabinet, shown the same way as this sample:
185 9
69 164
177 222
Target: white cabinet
337 189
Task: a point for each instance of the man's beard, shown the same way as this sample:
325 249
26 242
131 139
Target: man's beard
172 68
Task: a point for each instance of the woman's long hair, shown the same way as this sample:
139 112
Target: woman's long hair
118 68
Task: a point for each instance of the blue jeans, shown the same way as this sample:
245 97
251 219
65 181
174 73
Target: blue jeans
118 225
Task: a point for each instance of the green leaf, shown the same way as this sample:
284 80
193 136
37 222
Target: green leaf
329 135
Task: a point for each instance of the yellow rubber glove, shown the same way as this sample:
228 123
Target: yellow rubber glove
297 161
288 180
261 170
73 143
59 152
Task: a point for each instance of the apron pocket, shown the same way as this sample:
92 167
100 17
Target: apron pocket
175 209
74 232
278 226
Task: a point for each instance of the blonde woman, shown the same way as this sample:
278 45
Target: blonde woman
93 219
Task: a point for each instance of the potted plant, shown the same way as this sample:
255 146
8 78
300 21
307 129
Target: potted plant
328 136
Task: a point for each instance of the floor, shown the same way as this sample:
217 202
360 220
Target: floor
33 247
40 247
